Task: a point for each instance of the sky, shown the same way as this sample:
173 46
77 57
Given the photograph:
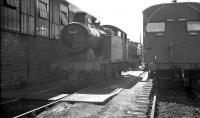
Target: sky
124 14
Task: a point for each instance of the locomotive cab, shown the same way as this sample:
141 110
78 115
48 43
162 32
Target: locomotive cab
84 18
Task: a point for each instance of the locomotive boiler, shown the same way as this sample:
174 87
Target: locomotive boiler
95 53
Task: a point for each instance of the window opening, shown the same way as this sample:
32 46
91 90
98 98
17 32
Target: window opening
64 14
155 27
193 25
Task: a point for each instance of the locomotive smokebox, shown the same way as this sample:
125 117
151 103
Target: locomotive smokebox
74 37
77 37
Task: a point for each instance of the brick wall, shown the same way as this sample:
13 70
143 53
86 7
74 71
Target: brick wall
26 61
13 60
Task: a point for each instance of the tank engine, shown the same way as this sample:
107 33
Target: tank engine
134 55
95 53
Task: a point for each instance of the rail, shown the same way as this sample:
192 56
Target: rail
153 108
44 106
9 101
37 109
196 93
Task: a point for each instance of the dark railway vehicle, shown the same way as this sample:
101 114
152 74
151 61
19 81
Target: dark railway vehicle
30 42
172 41
95 53
134 55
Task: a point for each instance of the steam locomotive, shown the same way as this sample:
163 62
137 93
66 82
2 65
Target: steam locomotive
95 53
134 55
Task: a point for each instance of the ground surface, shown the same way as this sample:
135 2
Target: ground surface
125 104
177 102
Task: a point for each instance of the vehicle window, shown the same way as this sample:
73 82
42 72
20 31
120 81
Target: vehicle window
89 21
193 25
155 27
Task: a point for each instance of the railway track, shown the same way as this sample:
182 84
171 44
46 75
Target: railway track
135 104
136 101
153 107
15 107
38 110
196 91
20 108
145 103
90 94
176 100
148 99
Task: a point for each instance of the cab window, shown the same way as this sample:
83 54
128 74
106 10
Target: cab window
193 25
89 21
155 27
119 34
